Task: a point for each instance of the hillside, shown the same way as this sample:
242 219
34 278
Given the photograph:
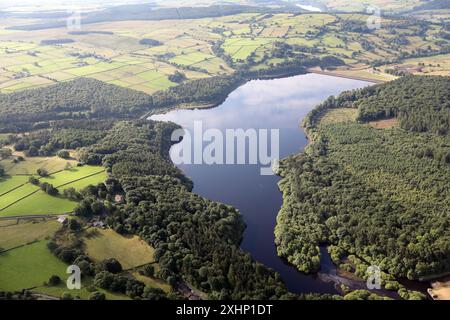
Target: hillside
379 194
80 98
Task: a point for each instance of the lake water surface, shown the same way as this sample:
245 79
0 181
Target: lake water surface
262 104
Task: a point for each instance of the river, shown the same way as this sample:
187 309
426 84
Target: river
263 104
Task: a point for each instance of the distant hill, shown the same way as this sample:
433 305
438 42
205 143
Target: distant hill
80 98
433 5
147 12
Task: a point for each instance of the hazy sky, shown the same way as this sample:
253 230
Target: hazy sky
61 3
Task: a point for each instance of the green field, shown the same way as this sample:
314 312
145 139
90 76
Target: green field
129 251
32 265
119 59
8 183
20 198
339 115
29 266
25 70
25 232
152 282
65 177
30 165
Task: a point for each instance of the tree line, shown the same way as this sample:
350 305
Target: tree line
379 194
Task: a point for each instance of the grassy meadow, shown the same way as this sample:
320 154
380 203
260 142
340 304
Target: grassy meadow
18 197
29 266
131 252
24 232
187 46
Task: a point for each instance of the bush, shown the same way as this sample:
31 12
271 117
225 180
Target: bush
99 296
54 280
63 154
42 172
33 181
110 265
148 271
154 294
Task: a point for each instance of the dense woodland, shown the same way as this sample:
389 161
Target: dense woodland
211 90
420 103
380 194
80 98
377 196
196 240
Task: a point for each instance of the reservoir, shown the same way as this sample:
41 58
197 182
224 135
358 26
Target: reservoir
262 104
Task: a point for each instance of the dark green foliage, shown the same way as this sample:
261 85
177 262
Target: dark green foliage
111 265
68 100
51 42
46 142
99 296
381 194
148 271
49 189
420 103
177 77
119 283
54 280
87 207
195 239
355 26
154 294
136 149
63 154
203 91
363 295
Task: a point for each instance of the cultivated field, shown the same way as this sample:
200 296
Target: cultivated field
24 232
18 197
113 51
129 251
29 266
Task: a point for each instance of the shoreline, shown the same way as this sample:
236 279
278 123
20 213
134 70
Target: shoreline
427 281
210 105
214 104
339 75
193 106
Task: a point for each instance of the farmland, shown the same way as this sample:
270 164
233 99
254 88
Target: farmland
29 266
86 180
21 198
32 265
31 164
25 232
130 252
114 53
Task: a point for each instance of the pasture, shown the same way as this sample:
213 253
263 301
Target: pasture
339 115
32 265
25 232
129 251
187 46
18 197
29 266
152 282
30 165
